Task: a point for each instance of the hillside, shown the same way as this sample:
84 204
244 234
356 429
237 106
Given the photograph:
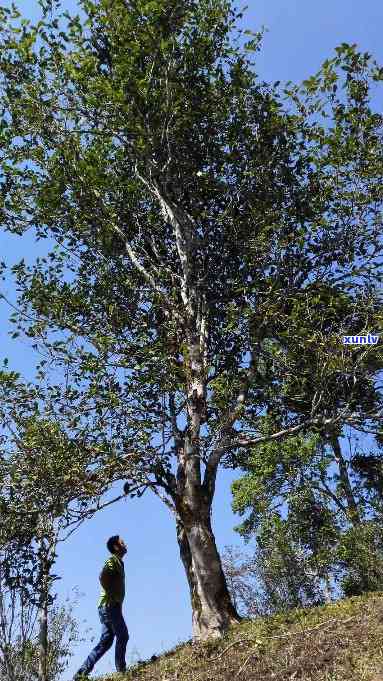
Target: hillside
338 642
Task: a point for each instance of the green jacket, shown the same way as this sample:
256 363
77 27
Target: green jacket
112 580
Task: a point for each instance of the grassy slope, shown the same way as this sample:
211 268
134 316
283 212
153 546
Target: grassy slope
338 642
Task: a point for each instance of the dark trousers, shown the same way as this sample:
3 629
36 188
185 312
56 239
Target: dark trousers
113 625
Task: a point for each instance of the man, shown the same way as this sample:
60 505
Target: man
112 579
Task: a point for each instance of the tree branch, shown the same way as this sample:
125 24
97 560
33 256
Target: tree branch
148 277
230 418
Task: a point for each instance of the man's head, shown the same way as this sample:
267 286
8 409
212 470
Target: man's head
116 545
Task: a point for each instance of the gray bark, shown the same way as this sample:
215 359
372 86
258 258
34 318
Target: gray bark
43 642
212 609
345 482
43 615
327 590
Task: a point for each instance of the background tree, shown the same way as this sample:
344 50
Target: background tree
19 648
311 542
192 208
306 506
49 484
275 575
242 580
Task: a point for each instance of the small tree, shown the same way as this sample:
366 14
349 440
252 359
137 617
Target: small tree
242 580
19 646
49 484
279 573
360 558
306 504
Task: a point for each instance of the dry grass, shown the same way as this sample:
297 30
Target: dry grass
338 642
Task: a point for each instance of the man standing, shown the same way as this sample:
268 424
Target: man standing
112 579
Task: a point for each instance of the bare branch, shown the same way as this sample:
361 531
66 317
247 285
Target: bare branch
148 277
177 435
230 418
163 498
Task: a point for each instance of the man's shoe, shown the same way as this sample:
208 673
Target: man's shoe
81 677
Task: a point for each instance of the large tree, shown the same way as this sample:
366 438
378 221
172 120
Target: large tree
190 209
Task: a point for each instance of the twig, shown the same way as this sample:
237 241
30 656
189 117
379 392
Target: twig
244 664
241 640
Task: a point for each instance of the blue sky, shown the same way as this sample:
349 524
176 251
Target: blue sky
300 36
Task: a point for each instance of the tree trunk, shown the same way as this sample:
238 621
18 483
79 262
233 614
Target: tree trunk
6 663
43 641
43 621
212 609
327 590
345 482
